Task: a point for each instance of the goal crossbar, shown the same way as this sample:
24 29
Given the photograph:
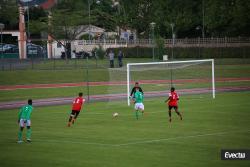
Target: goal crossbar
169 62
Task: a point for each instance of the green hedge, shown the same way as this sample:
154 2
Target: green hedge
9 55
194 52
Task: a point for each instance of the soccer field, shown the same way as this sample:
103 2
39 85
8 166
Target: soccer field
97 139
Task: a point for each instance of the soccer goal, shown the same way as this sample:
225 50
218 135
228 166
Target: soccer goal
190 77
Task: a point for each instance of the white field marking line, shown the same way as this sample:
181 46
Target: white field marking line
227 105
92 113
73 142
107 112
166 110
139 142
180 137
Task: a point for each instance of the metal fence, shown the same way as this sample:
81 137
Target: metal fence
184 48
184 41
51 64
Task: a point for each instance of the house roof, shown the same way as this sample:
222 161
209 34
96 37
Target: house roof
85 29
45 4
48 4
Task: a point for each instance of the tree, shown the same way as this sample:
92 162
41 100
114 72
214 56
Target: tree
240 24
38 21
9 14
222 18
228 17
104 15
160 44
64 19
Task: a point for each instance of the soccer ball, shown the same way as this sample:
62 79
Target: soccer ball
115 114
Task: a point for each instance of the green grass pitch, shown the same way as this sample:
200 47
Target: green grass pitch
97 139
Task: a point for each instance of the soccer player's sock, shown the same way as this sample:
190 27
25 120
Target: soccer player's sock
73 120
169 113
28 135
178 113
20 135
70 119
136 114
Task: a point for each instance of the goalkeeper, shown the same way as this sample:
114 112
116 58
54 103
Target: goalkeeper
138 100
132 94
24 120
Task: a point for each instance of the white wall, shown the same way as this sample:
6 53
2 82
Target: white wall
82 45
57 50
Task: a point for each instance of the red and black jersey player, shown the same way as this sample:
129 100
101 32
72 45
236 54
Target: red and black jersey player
172 100
76 108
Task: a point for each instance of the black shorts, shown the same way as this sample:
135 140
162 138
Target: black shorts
170 107
75 112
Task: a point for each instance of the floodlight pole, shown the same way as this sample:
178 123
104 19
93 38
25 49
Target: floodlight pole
89 42
87 72
89 18
97 2
172 27
172 55
199 28
203 19
87 77
2 27
153 39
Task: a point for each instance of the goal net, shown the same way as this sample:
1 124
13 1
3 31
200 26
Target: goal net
156 78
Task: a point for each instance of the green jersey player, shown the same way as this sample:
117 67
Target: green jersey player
24 120
138 99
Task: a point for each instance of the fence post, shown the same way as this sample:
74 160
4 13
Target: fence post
87 78
2 60
32 63
199 47
54 63
96 56
75 63
10 65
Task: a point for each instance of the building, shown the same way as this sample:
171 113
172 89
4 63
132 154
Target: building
127 34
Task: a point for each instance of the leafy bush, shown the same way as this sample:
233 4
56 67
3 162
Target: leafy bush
160 48
187 53
100 52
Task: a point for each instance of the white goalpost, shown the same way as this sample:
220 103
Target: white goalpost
170 65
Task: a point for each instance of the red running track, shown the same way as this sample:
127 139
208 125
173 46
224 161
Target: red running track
68 100
63 85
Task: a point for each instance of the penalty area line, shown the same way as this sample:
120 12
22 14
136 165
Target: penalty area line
73 142
179 137
138 142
